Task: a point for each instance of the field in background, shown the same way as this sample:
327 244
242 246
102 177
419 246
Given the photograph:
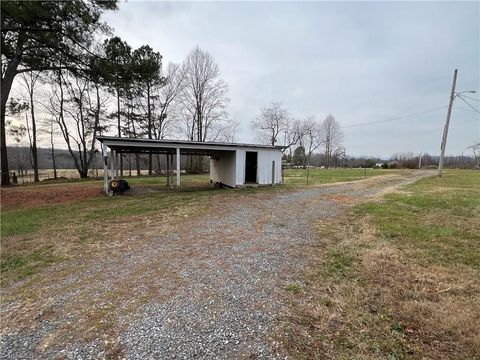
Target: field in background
291 176
298 177
67 175
399 278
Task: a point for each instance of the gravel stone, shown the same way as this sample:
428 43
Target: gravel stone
229 303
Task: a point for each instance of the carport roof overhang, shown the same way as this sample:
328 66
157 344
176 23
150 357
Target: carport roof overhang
136 145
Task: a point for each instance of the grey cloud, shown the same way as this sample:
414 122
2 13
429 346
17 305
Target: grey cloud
360 61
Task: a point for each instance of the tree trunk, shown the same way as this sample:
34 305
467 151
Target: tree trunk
7 81
53 161
34 137
129 165
137 160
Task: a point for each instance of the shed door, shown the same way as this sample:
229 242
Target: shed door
251 161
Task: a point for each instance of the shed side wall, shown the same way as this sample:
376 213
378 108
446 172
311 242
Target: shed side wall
222 167
264 171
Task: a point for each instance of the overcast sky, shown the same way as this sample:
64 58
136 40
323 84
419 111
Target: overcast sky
360 61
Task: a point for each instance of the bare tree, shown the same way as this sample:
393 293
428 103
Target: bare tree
49 128
30 81
406 160
331 138
476 154
295 132
272 123
166 106
21 156
310 136
204 96
78 105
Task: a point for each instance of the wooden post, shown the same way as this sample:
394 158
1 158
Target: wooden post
168 171
171 170
116 164
178 168
112 164
105 169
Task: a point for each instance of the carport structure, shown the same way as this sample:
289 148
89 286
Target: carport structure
231 164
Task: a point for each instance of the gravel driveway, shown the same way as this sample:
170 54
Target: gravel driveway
229 269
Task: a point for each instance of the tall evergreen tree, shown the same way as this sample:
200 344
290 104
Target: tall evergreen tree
44 35
147 65
118 64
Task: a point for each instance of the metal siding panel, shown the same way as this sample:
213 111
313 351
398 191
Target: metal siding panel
265 158
240 168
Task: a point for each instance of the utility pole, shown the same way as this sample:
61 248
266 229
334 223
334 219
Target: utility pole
447 122
420 161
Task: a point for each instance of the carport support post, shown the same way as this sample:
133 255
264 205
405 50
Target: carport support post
178 168
168 171
112 164
105 169
116 164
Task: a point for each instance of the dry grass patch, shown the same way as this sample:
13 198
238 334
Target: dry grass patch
398 279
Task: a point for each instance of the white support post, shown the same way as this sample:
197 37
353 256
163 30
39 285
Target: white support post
178 168
116 165
168 171
105 169
112 164
273 172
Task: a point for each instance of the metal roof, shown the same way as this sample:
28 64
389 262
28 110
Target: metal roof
125 144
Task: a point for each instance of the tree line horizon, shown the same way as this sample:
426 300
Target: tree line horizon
71 79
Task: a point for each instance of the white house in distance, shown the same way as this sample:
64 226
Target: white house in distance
234 165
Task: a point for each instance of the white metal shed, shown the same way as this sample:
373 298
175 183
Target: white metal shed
232 164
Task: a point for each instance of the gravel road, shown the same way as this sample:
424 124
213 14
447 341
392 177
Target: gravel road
229 267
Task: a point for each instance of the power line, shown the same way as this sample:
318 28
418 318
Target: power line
396 118
471 98
462 108
466 102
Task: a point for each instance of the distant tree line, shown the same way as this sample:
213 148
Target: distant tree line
308 136
315 142
77 83
396 161
20 160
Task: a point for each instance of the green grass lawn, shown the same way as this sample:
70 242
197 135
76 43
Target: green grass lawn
436 220
298 177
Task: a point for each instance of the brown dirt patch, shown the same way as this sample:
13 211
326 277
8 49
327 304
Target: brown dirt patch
32 196
344 199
